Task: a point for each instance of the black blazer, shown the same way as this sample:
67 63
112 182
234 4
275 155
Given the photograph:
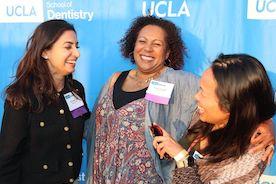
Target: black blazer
41 148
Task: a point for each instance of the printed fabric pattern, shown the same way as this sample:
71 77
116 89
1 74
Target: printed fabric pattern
246 169
121 154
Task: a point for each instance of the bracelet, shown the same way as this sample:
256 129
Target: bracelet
182 163
181 155
182 159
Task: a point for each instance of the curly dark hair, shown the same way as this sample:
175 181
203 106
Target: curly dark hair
174 42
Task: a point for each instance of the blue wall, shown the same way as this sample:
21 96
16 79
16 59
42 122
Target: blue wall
209 27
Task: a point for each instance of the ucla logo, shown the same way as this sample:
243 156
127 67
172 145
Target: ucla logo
67 9
266 5
165 8
21 11
261 9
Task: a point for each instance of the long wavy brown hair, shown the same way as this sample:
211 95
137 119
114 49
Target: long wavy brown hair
33 79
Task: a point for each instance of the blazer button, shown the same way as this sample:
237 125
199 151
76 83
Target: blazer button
70 164
45 166
66 129
68 146
41 124
71 180
61 111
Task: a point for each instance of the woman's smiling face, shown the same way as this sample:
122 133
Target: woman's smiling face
208 103
150 51
62 56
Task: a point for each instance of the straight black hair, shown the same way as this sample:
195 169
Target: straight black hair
245 91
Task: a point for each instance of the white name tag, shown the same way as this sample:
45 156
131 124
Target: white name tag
159 92
73 101
197 155
75 104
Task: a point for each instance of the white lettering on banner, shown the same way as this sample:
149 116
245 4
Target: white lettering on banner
65 10
81 176
70 14
165 9
67 4
261 9
21 11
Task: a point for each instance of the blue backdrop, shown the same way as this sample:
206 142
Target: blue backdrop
209 27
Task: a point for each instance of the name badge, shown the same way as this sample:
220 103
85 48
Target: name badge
75 104
197 155
159 92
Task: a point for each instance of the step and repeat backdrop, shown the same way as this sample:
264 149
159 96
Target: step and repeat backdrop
209 27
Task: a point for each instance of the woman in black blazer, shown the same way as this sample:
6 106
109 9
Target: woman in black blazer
44 112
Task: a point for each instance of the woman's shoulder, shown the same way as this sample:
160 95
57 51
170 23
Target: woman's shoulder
115 76
76 83
77 86
247 167
182 73
183 80
246 160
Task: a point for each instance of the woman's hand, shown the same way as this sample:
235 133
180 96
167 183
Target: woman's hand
263 138
166 144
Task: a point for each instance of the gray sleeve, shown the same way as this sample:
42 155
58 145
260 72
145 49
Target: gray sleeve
174 117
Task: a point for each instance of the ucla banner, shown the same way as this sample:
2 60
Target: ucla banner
209 27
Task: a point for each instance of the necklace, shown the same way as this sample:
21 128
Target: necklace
141 82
